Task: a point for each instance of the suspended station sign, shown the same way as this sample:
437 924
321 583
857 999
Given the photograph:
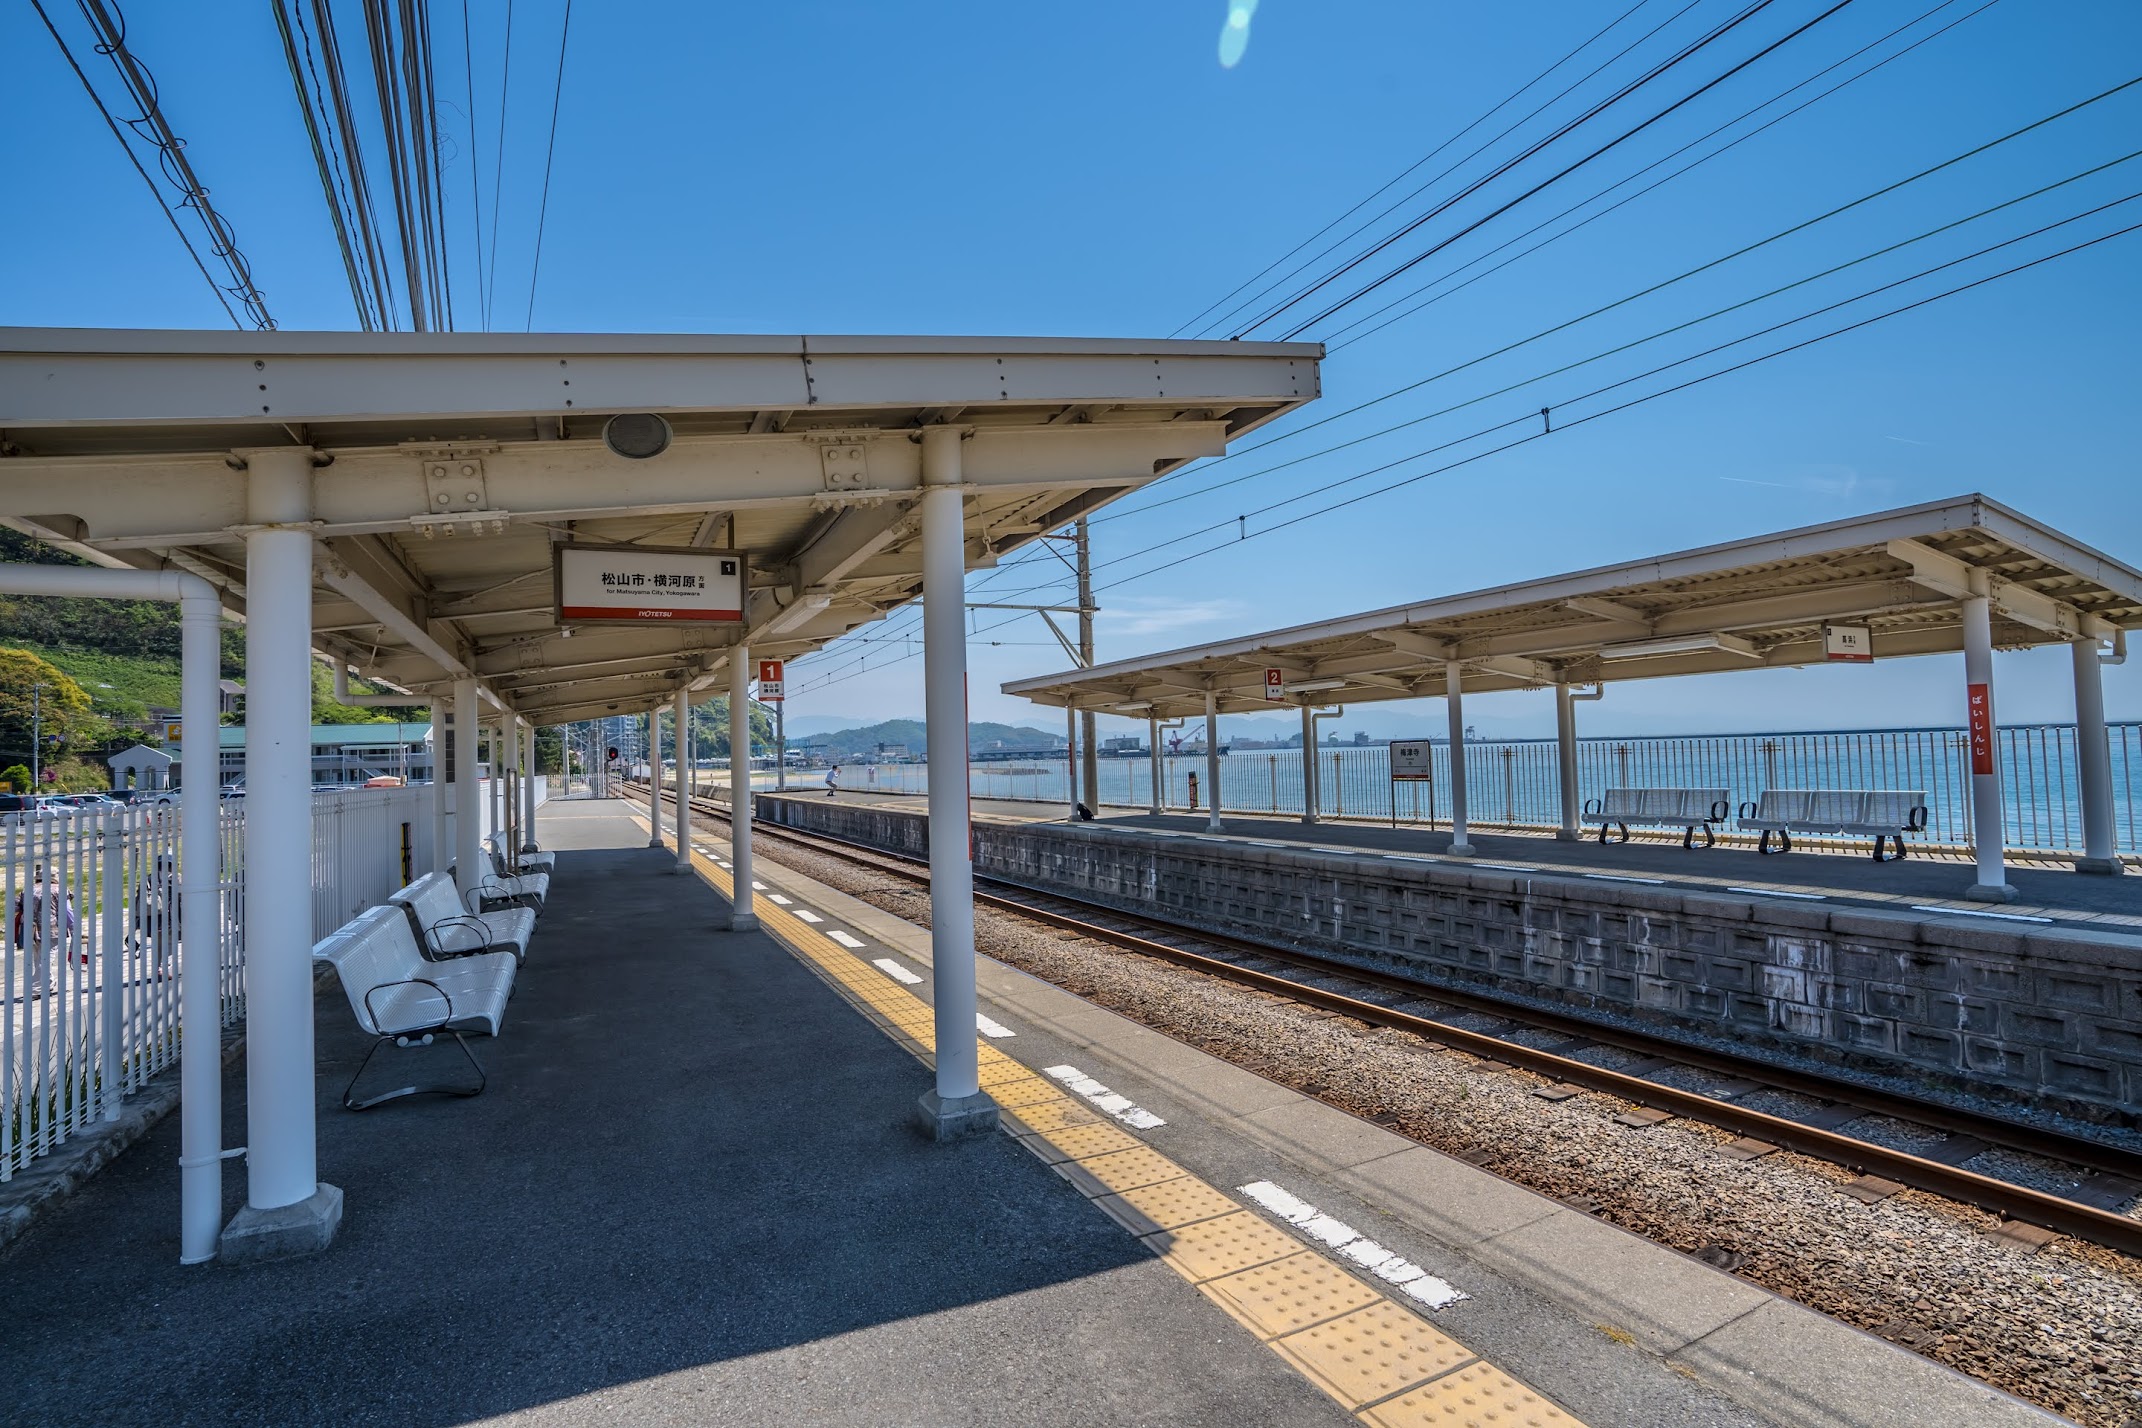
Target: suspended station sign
1275 683
626 585
1411 759
1853 644
770 681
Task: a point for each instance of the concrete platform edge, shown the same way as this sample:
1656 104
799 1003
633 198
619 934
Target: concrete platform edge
1820 1368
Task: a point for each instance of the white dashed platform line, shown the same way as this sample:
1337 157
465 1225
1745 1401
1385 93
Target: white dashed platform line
1312 1223
1618 878
1780 892
775 898
845 940
806 915
992 1028
897 972
1119 1106
1973 912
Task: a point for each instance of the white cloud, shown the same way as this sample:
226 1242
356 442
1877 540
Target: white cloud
1132 617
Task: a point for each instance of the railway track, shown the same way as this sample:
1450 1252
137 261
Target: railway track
2109 1174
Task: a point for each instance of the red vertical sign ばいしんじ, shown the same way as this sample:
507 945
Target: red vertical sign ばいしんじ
1981 729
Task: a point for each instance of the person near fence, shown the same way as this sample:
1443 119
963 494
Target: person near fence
832 780
43 922
156 910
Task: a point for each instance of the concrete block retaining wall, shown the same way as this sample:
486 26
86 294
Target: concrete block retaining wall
2053 1015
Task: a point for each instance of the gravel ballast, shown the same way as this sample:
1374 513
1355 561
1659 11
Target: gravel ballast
2061 1327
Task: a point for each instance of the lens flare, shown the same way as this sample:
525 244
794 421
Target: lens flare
1234 35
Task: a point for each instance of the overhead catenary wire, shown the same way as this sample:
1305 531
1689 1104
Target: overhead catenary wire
1415 166
550 151
468 83
1569 424
1367 322
1439 245
1561 131
1410 387
498 164
154 129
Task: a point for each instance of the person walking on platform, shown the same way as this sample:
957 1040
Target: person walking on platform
833 781
42 922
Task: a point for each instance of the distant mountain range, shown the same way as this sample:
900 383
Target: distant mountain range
911 735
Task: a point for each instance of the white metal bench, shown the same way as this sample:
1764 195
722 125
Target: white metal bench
527 860
403 1000
444 928
1691 810
502 887
1884 814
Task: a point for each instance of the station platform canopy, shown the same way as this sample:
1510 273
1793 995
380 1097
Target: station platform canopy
1901 576
449 468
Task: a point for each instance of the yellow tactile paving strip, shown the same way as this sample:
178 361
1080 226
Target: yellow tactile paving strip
1377 1358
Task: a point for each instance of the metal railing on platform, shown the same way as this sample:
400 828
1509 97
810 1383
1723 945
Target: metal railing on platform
92 953
1514 783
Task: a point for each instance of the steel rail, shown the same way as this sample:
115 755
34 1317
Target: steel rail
1985 1192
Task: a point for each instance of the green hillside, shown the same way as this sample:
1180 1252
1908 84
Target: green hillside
912 735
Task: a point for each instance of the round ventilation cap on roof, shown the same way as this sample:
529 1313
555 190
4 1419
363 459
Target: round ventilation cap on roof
637 435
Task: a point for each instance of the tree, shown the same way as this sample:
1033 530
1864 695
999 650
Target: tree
16 777
35 693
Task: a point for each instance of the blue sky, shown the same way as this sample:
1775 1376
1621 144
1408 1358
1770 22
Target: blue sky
989 168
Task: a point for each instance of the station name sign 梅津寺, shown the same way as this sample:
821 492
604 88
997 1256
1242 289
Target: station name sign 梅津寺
626 585
1411 759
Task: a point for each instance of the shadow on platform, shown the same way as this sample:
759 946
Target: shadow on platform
692 1153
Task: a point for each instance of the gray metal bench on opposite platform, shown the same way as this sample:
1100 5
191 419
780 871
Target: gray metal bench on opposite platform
445 929
1688 809
1883 814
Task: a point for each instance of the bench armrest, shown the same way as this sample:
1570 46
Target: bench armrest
438 990
490 888
1916 822
1748 810
1594 805
1719 809
471 925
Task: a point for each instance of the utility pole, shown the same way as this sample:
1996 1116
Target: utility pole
37 737
1090 758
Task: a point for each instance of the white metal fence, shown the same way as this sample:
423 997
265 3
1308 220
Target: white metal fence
90 960
1513 783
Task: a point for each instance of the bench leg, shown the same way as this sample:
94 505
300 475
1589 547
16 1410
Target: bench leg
1762 844
1880 839
442 1088
1688 836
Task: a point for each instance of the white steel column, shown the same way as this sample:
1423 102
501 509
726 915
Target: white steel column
742 914
681 716
1071 762
654 778
780 745
957 1107
1988 818
1565 750
442 848
1453 695
468 793
1152 753
528 786
2093 763
1212 760
1310 792
200 929
288 1211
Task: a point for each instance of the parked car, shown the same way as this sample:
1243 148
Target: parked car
17 802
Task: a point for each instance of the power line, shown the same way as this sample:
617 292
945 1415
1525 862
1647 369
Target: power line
1568 127
1571 422
1557 177
468 81
498 164
152 127
1425 381
1415 166
1660 182
550 151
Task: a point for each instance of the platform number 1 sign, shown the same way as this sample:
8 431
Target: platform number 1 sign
1275 683
770 681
